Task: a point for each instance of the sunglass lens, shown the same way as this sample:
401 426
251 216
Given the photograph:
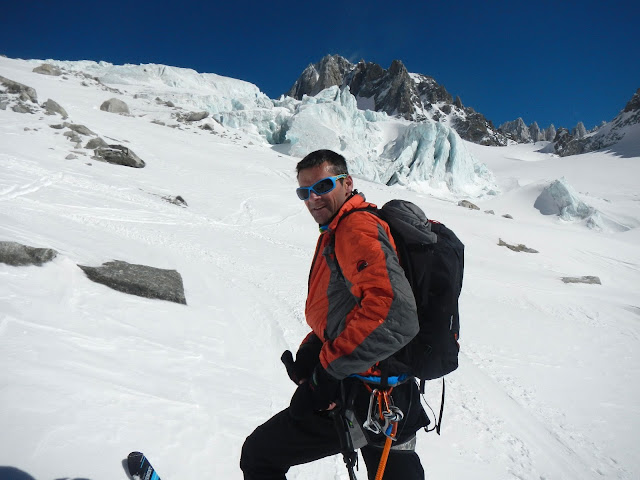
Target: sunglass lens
303 193
323 186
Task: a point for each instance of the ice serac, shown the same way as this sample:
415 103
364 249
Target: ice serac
332 120
431 156
559 198
424 156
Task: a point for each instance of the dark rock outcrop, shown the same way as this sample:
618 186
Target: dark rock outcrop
119 155
579 131
328 72
140 280
73 136
52 107
633 105
550 133
589 279
114 105
196 116
48 69
475 128
516 248
535 133
23 108
468 204
96 143
177 200
17 255
25 93
516 130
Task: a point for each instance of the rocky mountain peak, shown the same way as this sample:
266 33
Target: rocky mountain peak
329 71
578 141
633 104
516 130
396 91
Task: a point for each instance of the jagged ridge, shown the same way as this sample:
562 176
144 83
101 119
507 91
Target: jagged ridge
397 92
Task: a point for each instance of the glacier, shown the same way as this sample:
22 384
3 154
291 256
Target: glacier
424 156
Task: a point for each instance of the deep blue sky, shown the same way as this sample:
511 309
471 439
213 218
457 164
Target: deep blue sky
553 62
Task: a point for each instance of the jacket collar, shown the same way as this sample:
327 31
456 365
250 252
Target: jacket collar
355 201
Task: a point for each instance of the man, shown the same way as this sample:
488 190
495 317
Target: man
361 311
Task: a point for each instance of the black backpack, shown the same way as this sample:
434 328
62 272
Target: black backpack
433 261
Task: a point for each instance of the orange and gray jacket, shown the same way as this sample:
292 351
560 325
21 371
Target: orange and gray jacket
360 304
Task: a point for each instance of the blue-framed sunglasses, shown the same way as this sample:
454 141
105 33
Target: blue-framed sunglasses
320 187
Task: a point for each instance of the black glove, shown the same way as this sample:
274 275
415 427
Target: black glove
306 360
318 393
324 388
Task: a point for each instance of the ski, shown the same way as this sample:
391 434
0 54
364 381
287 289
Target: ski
140 468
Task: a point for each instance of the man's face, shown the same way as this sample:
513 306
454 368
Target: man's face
324 207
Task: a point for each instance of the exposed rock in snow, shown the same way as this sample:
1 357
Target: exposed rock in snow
96 143
516 248
140 280
177 200
585 279
48 69
51 107
196 116
119 155
114 105
18 255
81 129
25 93
468 204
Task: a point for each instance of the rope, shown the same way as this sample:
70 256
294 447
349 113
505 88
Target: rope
385 453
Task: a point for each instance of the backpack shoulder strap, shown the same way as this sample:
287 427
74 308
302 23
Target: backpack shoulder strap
373 210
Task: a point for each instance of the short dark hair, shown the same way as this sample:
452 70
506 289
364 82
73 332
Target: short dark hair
335 160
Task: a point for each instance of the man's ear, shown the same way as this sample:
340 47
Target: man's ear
348 183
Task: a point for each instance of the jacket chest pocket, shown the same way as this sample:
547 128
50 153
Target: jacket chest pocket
340 300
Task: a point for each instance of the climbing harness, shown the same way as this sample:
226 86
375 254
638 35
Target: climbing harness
382 418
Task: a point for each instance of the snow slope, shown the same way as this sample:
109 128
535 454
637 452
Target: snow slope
547 381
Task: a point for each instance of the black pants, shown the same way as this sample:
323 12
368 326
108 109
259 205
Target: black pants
283 441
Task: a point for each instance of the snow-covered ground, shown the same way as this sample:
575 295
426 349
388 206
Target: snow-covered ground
546 387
